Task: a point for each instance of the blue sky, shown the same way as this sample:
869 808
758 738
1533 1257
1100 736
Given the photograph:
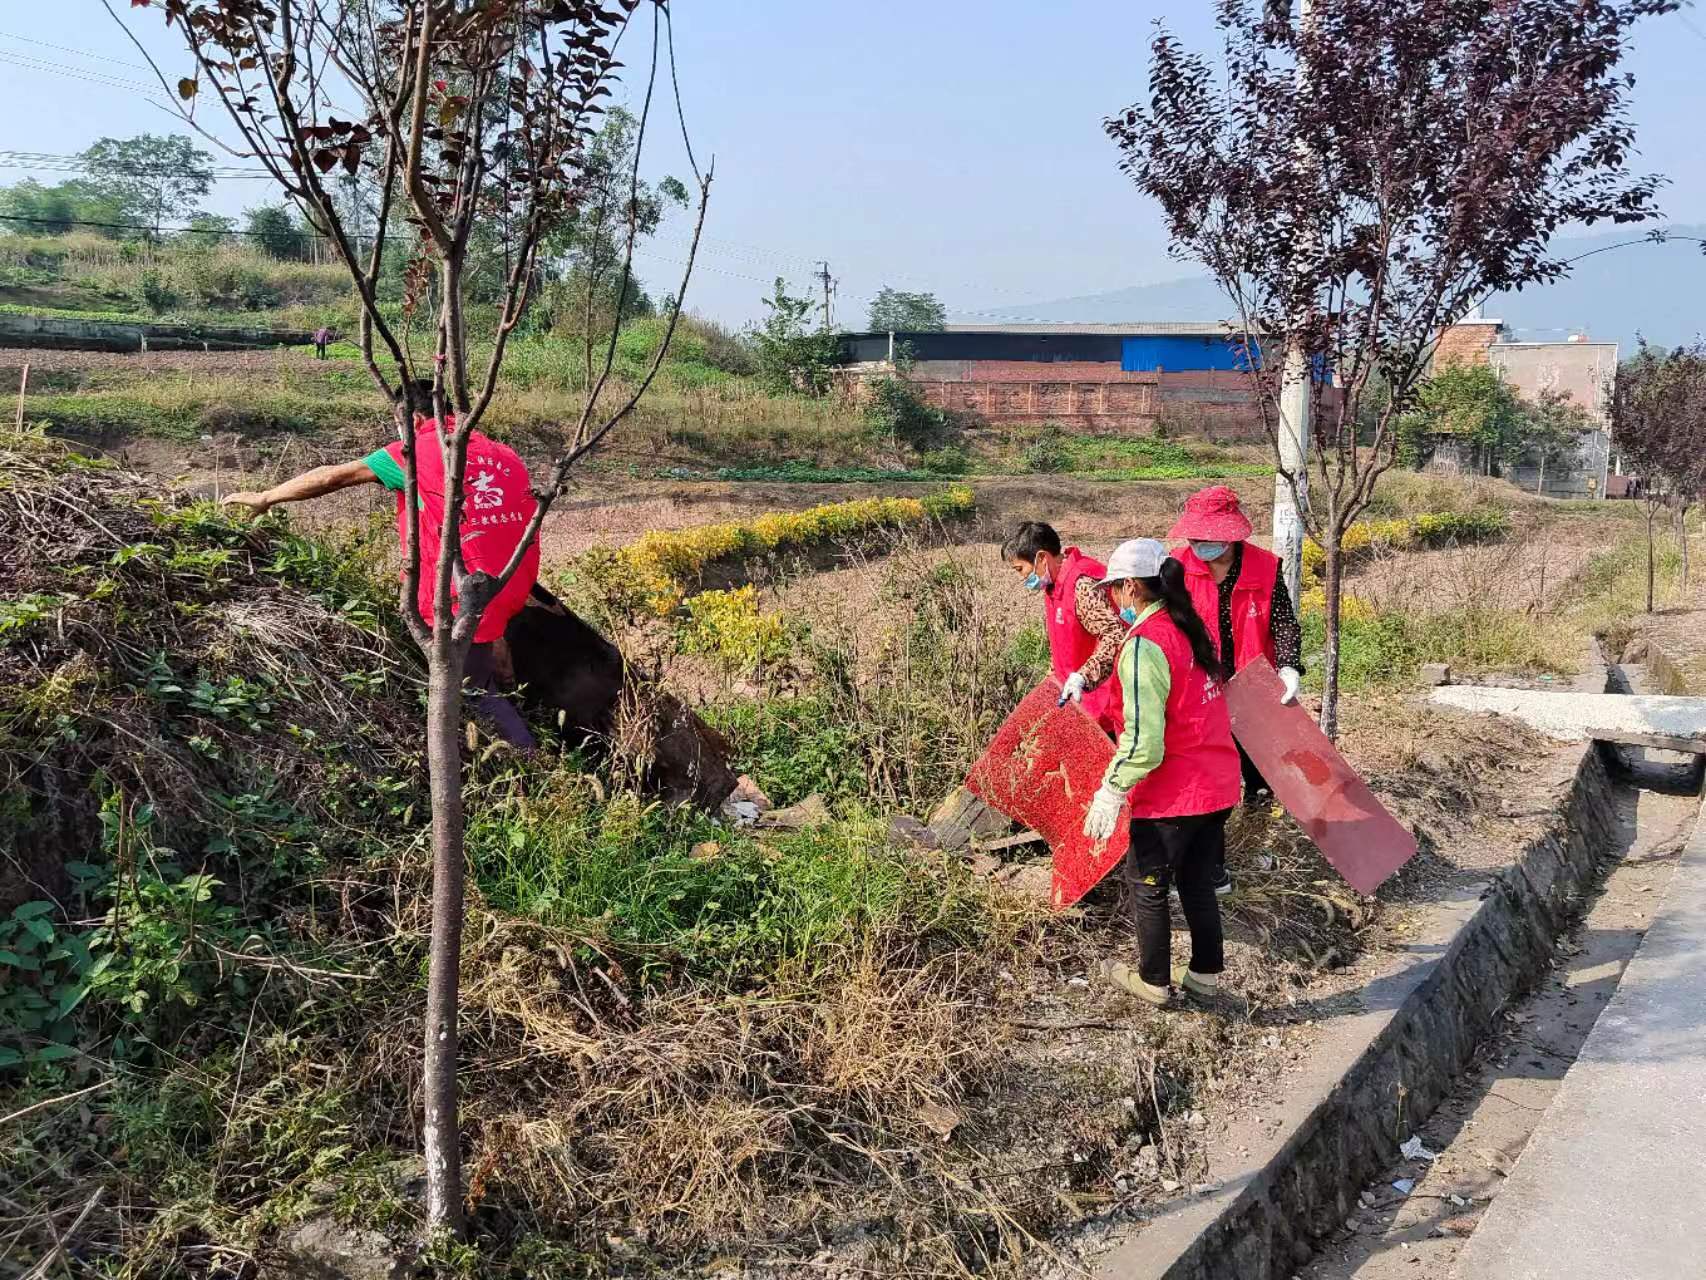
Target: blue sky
954 146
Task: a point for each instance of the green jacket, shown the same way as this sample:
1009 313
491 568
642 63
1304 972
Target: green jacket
1145 681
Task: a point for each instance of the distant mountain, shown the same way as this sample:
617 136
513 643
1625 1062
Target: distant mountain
1191 298
1654 290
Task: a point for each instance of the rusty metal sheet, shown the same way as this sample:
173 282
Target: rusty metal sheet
1310 778
1042 768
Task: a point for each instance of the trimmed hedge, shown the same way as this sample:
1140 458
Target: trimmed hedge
661 569
1431 529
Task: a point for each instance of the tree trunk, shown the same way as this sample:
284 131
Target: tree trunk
442 1140
1682 542
1540 484
1331 586
1651 512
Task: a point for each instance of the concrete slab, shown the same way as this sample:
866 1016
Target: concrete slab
1668 723
1610 1184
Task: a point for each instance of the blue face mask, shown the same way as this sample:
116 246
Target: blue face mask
1128 615
1207 551
1033 583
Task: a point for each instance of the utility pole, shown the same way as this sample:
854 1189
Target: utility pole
828 288
1291 497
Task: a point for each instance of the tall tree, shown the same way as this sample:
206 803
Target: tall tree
276 231
1356 181
1469 405
32 209
1549 433
587 254
153 177
792 355
1658 420
462 110
896 311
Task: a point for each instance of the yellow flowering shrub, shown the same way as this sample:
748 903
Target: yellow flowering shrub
1352 609
730 628
1432 529
661 568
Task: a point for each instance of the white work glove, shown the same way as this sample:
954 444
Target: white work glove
1291 680
1104 813
1073 689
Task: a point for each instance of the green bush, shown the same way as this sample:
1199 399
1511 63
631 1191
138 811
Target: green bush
156 292
794 747
1447 528
1388 645
1029 650
949 460
679 892
1047 453
894 409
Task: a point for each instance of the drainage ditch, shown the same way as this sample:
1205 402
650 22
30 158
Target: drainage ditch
1414 1216
1461 1047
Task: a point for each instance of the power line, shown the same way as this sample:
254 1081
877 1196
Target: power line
30 63
50 162
143 226
98 57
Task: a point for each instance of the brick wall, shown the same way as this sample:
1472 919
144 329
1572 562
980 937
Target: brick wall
1090 396
1466 343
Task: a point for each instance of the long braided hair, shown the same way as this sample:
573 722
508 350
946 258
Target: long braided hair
1169 588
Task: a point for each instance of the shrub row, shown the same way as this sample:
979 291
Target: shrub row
1431 529
660 569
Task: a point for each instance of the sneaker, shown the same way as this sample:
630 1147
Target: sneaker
1222 886
1205 985
1126 978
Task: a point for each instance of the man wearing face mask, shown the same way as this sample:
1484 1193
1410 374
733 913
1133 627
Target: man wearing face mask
1238 589
1084 630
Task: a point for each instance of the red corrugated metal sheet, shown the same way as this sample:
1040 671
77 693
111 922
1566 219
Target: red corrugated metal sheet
1310 778
1042 768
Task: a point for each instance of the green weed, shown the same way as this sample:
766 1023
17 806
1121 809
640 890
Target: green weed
679 892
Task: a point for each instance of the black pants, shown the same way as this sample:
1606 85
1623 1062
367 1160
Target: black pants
1254 783
491 705
1192 851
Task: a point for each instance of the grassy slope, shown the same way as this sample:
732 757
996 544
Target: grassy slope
683 1039
783 993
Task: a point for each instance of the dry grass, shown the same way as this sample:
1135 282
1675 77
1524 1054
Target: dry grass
703 1124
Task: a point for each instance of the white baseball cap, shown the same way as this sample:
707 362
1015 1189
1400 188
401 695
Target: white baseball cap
1138 558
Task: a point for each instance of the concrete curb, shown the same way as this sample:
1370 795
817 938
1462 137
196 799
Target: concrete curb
1606 1185
1390 1066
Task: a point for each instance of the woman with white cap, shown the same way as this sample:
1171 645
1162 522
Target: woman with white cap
1177 766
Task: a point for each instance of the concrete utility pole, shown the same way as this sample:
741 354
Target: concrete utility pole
1295 391
828 286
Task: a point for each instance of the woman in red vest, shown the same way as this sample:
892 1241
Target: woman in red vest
1242 589
1175 764
1084 631
498 505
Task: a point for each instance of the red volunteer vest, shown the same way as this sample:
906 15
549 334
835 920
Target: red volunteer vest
1252 603
497 504
1199 770
1070 645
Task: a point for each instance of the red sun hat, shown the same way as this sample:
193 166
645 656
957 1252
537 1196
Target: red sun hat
1212 515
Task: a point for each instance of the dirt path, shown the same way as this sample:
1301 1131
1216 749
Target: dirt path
43 360
1482 1128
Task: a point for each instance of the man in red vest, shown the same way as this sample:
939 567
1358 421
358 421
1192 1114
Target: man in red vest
1084 629
497 505
1239 591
